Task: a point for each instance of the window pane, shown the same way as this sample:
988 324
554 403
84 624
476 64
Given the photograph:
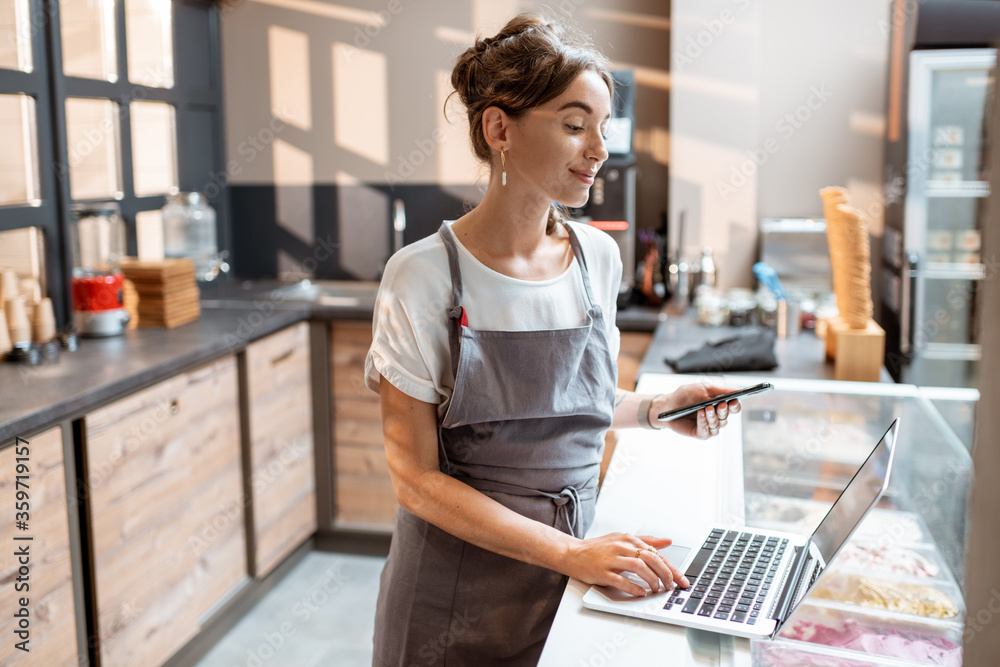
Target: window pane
154 148
19 157
88 39
93 136
149 235
15 35
149 35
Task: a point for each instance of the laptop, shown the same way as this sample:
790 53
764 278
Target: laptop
748 582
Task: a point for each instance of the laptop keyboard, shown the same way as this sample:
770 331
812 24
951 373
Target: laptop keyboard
730 577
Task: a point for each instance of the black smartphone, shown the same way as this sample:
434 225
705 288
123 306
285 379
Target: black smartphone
676 413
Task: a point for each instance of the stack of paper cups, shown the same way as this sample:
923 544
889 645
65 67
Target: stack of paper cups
43 323
8 286
18 324
30 289
5 345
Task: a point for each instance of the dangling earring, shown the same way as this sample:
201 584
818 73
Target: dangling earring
503 162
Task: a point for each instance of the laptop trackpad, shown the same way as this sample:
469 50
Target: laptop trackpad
675 553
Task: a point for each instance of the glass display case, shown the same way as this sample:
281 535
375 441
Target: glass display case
894 596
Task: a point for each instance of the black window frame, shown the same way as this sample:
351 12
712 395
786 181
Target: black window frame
199 163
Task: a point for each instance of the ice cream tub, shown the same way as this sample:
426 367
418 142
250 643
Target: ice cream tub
870 633
782 653
916 562
898 595
893 527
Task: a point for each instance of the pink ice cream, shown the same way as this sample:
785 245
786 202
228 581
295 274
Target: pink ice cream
781 656
893 642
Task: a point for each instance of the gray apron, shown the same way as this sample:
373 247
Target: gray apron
525 426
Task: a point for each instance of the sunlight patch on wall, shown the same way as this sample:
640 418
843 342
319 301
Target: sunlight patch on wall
326 10
489 16
363 220
629 18
361 102
288 55
293 192
867 123
455 162
454 36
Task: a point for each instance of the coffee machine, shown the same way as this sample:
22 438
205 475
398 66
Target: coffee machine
612 197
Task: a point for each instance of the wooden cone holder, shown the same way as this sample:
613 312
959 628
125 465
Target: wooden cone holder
857 354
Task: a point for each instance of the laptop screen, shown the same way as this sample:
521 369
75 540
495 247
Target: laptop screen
860 494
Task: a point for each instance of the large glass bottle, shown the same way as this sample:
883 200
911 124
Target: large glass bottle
189 231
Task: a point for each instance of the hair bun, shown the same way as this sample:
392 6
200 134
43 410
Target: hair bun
484 43
530 61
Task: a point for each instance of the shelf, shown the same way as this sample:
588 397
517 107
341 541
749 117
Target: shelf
957 189
948 271
950 351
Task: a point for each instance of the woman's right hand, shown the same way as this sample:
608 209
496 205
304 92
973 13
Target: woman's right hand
602 560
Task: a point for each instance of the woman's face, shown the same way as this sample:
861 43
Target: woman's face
558 147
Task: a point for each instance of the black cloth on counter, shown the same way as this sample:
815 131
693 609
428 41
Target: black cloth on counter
752 351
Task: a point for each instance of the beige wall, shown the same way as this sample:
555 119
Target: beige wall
772 100
318 92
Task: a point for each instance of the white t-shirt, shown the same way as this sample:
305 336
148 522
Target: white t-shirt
410 345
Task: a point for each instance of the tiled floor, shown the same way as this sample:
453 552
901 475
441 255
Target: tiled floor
320 615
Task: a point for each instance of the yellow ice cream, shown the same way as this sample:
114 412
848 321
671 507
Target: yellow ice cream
891 596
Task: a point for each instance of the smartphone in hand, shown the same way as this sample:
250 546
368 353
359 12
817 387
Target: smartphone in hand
677 413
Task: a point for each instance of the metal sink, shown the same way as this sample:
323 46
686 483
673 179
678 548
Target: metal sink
342 293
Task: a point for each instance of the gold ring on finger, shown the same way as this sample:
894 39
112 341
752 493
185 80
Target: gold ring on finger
637 552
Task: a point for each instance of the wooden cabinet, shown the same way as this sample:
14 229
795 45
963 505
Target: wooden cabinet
166 500
49 592
282 471
364 498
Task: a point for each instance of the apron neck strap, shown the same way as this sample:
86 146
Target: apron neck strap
455 312
456 273
574 243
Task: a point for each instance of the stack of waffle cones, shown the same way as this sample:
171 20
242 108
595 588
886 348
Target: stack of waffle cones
850 257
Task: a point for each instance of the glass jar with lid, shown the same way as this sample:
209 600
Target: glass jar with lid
189 230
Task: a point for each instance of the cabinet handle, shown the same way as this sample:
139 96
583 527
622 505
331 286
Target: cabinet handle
175 407
281 357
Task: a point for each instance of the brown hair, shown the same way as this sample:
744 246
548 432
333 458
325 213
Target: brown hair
528 63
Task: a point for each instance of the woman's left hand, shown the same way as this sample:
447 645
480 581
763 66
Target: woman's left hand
703 424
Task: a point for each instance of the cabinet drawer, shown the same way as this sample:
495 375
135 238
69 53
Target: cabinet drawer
164 479
282 462
51 609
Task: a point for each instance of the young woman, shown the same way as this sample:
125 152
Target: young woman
494 355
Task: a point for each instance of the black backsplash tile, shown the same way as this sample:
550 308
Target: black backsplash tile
258 238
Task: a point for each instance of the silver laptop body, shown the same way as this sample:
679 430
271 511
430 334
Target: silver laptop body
748 582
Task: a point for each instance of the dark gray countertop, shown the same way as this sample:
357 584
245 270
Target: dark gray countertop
104 368
234 313
801 356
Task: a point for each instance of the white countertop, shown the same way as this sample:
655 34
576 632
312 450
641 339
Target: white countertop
662 484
